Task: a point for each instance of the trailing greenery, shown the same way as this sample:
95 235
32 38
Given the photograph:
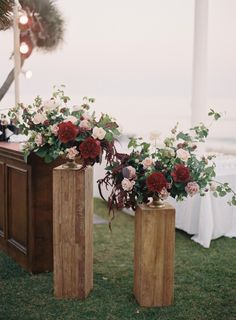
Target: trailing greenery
156 170
204 282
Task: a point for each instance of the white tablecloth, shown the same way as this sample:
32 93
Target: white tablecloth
207 217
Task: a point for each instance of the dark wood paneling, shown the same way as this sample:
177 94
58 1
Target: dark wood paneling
2 199
17 207
26 208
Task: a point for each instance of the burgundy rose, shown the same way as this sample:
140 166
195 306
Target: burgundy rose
180 173
63 110
156 182
46 123
180 146
67 131
90 148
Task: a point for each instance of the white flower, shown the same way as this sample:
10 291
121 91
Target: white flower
98 133
38 139
84 124
72 119
127 185
71 153
147 162
39 118
182 154
213 186
50 105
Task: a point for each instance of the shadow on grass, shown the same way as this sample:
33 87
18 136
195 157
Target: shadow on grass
205 287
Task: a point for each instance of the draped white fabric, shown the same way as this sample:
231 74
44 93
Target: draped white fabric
208 217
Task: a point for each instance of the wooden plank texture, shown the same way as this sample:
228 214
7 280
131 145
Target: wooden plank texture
154 252
73 232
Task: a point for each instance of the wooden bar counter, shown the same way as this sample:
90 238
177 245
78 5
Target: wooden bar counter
26 208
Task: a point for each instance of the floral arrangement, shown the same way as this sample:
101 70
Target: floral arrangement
151 172
55 129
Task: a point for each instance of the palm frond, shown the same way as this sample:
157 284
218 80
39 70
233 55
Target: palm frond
51 20
6 8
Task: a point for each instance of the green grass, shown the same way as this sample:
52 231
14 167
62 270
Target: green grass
205 282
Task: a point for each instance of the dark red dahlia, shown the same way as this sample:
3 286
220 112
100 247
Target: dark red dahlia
67 131
156 182
180 173
90 148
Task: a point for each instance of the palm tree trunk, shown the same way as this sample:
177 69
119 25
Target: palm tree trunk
7 83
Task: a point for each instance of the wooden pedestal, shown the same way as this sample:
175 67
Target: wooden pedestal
73 232
154 255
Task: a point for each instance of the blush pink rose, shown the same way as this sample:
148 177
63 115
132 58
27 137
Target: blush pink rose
147 162
192 188
182 154
54 129
72 153
85 124
127 185
129 172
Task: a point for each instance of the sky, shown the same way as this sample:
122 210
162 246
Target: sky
135 58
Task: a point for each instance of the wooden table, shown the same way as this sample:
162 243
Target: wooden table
26 208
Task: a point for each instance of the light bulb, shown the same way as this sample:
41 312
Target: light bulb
23 19
24 48
28 74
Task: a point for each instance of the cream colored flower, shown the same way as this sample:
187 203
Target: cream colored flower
72 153
182 154
39 118
85 124
98 133
50 105
147 162
72 119
38 139
127 185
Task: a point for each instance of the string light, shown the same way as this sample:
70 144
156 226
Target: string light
26 44
23 19
24 48
28 74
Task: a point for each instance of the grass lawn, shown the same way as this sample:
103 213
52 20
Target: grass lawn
205 282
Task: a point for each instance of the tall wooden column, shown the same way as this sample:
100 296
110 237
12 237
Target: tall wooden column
73 232
154 253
